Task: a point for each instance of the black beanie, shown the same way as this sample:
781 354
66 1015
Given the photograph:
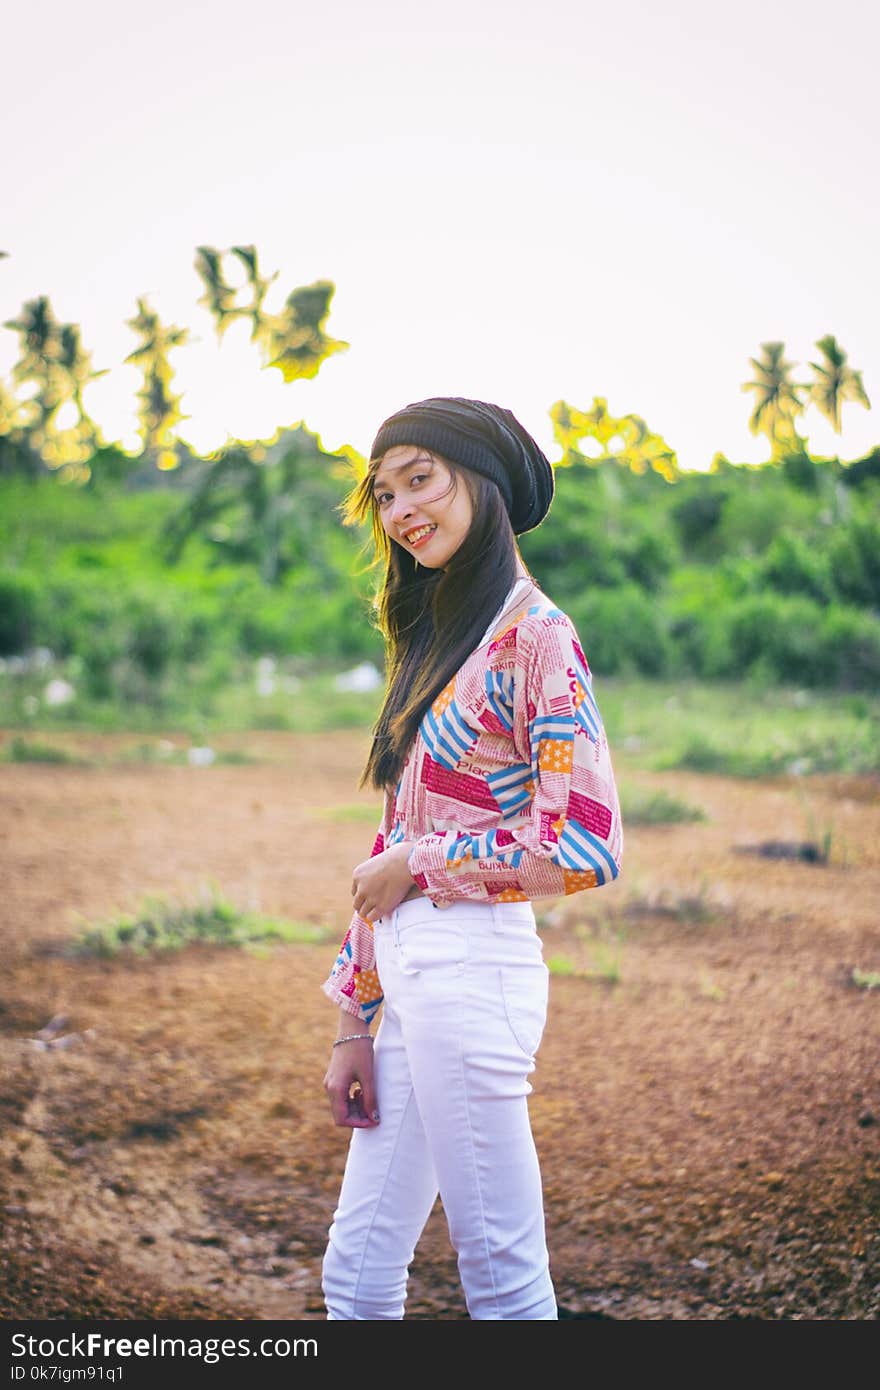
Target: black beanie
484 437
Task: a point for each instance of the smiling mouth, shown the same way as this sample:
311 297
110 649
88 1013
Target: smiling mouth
413 537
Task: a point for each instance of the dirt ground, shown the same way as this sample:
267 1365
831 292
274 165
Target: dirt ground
706 1104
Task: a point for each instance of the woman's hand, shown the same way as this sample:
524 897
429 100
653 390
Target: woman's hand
381 883
351 1064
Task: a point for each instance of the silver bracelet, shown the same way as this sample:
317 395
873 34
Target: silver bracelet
352 1037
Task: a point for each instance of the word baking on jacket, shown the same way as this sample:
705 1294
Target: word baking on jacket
508 788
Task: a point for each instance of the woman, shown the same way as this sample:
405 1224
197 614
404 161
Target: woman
498 790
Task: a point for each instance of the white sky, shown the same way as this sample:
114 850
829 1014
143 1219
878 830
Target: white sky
518 202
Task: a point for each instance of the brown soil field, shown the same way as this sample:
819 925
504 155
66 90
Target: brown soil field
706 1103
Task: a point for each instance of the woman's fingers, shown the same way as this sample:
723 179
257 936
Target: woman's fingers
368 1098
366 909
356 1115
339 1110
351 1091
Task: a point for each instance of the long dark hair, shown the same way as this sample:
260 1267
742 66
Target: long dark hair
431 619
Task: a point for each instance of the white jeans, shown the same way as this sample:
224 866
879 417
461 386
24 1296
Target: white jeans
465 1005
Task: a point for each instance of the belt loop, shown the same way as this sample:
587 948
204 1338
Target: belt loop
497 917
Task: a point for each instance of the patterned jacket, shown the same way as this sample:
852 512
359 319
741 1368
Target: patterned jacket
508 787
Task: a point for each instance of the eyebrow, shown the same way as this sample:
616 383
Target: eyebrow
400 467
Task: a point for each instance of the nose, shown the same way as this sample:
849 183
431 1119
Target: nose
401 510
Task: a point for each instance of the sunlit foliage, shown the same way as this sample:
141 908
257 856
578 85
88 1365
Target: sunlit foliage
293 340
780 400
836 382
626 439
159 411
49 415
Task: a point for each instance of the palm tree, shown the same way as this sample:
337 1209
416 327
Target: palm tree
777 398
259 289
10 414
37 329
159 412
293 340
76 364
219 298
54 360
15 456
836 382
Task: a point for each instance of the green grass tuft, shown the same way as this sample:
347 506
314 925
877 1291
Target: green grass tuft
606 965
657 808
865 979
20 750
701 754
352 811
561 965
160 925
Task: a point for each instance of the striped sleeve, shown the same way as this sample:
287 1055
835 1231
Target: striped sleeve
353 982
560 830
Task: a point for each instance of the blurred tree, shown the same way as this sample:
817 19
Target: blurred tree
268 506
836 382
52 419
10 414
638 447
778 400
863 472
16 457
219 298
258 285
293 340
159 412
697 513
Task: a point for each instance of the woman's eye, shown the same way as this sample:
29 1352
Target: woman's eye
382 498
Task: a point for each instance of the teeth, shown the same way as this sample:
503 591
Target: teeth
417 535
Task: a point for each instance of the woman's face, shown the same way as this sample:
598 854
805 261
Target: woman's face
420 506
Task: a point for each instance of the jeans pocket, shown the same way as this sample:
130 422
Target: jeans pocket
430 945
524 989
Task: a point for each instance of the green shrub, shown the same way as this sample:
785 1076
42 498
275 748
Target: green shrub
760 506
697 514
623 631
97 665
577 548
657 808
699 753
849 644
792 565
767 634
649 557
20 750
18 613
854 555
